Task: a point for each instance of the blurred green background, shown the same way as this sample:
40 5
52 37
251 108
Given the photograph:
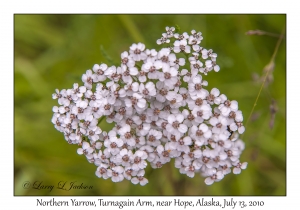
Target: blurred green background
53 51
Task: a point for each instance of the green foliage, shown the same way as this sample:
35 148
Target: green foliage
53 51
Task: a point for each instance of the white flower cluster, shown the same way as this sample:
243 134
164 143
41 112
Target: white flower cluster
160 109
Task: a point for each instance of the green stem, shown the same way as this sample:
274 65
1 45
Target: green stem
131 28
106 56
267 73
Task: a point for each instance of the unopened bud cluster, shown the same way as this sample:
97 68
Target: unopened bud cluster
160 109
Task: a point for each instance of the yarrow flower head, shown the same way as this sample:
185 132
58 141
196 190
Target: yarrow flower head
160 108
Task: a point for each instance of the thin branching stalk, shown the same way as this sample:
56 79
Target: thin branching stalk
268 68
